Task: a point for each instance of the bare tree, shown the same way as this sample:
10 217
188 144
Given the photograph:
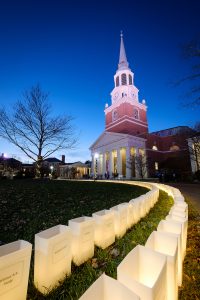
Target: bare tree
138 165
191 51
33 128
194 150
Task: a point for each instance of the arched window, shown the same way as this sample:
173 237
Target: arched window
155 148
114 115
123 79
130 79
136 114
174 148
117 81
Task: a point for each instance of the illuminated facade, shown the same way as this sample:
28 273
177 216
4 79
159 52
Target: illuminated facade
114 150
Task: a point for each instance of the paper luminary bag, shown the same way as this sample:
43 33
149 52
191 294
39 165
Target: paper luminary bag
52 257
184 223
14 270
174 228
136 209
82 239
104 228
178 212
120 219
167 244
107 288
144 272
130 214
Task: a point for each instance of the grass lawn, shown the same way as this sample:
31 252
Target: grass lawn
30 206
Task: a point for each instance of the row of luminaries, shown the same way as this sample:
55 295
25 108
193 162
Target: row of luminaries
56 247
153 272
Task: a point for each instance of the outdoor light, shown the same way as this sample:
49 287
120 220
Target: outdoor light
96 155
184 222
14 270
167 244
136 210
104 228
181 204
120 219
83 239
174 228
179 211
130 214
107 288
144 272
52 257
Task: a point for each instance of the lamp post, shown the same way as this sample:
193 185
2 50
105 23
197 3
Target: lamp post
51 168
96 156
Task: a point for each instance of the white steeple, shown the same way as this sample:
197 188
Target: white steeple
123 63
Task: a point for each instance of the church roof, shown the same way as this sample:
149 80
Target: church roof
123 63
108 137
173 131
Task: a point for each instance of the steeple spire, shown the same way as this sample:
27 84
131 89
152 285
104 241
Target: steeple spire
123 63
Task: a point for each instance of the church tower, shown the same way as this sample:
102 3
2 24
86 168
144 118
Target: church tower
125 114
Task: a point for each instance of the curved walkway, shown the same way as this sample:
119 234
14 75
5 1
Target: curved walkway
190 191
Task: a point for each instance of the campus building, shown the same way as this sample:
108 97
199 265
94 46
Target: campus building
126 148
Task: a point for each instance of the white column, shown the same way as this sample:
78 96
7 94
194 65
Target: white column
119 162
110 163
128 165
104 164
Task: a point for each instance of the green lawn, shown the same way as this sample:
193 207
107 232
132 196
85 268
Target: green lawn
29 206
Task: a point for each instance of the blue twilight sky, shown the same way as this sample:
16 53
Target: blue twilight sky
72 47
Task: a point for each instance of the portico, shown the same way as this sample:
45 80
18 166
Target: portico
114 153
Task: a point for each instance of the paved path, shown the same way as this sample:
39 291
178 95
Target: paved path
190 191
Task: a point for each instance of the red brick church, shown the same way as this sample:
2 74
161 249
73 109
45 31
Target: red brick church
126 148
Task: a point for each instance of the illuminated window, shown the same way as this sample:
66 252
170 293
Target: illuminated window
155 147
123 78
136 114
130 80
117 81
174 148
156 165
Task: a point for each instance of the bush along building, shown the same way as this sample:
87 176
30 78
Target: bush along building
126 149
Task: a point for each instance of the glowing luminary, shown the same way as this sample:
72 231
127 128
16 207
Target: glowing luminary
174 228
130 214
14 270
136 210
167 244
107 288
184 223
144 272
104 228
181 204
120 219
179 211
83 239
52 257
